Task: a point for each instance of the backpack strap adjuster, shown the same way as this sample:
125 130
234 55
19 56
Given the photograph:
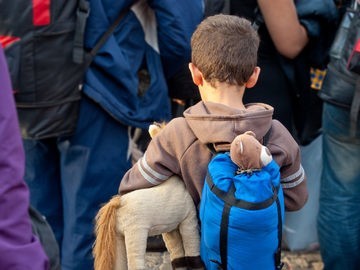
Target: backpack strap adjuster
82 13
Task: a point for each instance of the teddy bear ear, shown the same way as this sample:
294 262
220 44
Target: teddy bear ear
249 132
265 156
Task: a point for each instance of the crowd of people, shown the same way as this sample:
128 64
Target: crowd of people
142 74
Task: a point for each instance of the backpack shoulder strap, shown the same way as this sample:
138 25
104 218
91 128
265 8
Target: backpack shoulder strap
82 14
278 263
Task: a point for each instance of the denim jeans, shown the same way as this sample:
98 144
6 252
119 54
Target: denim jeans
339 212
69 179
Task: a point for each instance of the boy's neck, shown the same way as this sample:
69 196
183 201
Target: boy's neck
223 93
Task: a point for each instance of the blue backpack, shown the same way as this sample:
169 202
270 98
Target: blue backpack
241 216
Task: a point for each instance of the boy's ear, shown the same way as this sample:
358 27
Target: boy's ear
253 78
196 74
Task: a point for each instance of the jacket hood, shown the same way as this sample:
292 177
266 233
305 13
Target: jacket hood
219 124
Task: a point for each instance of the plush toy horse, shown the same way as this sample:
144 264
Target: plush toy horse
125 222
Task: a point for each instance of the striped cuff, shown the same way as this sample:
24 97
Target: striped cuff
149 174
294 179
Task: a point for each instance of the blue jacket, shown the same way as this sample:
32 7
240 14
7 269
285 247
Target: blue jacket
316 14
320 18
112 80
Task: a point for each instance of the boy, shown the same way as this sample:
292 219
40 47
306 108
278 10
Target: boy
224 56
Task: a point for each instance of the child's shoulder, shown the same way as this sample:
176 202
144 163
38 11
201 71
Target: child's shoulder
280 137
177 127
177 123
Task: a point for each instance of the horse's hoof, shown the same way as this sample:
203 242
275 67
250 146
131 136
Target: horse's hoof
179 263
195 262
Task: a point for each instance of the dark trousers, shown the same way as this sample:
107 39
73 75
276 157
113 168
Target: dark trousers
70 178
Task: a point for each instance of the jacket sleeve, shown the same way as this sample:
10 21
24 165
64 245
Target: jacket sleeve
176 23
316 14
159 162
19 248
286 153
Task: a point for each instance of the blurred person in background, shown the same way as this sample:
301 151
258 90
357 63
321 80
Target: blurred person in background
19 248
339 212
288 30
70 174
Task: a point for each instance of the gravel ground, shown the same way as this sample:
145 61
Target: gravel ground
302 260
292 260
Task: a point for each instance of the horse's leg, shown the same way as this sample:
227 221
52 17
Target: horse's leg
189 230
136 242
121 260
174 245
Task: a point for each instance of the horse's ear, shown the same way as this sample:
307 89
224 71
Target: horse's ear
155 128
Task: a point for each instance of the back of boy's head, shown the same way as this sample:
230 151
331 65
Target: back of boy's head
224 49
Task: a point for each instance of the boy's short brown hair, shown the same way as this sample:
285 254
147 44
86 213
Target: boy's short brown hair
224 49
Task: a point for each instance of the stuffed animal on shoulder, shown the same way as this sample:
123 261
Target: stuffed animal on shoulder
248 153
